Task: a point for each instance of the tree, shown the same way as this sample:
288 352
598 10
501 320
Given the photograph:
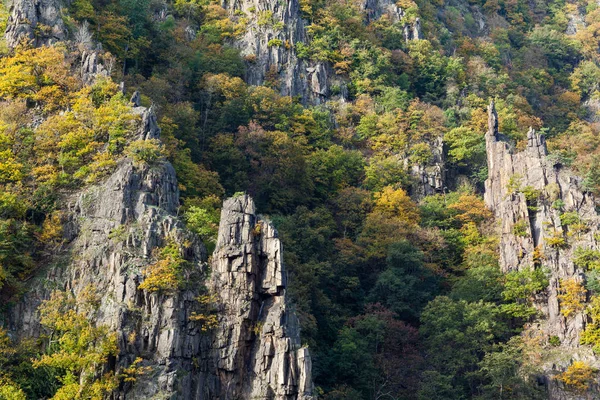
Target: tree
80 349
405 286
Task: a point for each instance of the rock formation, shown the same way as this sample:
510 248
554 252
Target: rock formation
430 178
268 44
375 9
113 231
528 194
36 20
273 28
258 351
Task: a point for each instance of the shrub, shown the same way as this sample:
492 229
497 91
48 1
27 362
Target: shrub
521 228
571 296
591 334
275 43
205 223
578 377
520 287
557 240
166 274
206 315
554 341
586 258
145 151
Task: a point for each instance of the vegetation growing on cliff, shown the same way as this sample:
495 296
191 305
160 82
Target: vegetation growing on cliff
397 295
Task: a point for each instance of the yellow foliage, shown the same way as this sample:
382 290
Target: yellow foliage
578 377
166 273
572 295
37 74
52 229
206 316
131 373
395 203
10 390
471 208
82 349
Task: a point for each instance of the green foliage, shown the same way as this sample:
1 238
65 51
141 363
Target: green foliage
467 146
333 177
204 221
520 287
81 348
586 258
521 228
405 286
145 151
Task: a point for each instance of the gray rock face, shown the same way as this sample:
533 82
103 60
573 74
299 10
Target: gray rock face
258 351
430 178
113 232
91 68
375 9
273 29
37 20
541 238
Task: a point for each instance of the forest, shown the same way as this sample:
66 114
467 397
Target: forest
399 292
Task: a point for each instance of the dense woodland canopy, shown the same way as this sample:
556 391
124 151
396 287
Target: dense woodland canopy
398 297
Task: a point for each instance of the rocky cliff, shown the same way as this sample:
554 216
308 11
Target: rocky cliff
113 231
268 44
37 20
273 28
531 197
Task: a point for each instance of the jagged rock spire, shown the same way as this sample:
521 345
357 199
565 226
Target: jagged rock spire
492 120
258 354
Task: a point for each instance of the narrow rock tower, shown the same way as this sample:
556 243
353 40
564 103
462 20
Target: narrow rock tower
257 351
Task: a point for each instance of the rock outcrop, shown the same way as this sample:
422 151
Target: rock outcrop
37 20
430 178
375 9
529 193
113 231
273 28
258 351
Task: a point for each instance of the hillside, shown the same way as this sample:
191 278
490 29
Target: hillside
299 199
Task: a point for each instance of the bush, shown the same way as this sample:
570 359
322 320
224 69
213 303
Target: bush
520 287
554 341
145 151
587 258
571 296
166 274
521 228
578 377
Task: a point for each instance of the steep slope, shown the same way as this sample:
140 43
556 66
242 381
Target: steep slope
114 234
113 231
545 216
272 31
